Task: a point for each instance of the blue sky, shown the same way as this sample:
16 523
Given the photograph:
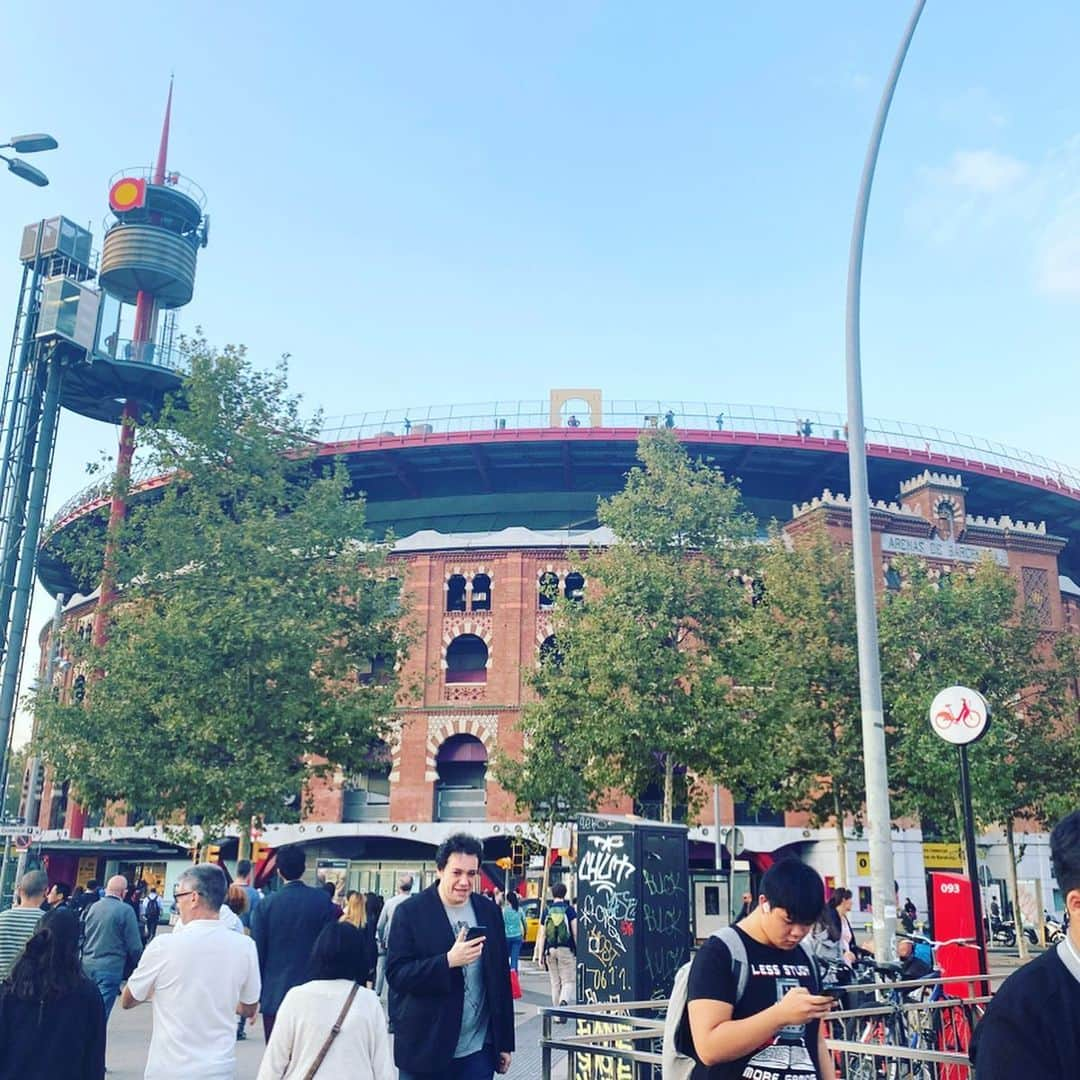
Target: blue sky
432 203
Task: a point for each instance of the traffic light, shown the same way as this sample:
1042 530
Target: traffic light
78 688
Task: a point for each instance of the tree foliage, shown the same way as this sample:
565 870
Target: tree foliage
966 627
802 675
640 689
250 598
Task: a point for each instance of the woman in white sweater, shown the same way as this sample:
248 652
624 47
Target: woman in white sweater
361 1051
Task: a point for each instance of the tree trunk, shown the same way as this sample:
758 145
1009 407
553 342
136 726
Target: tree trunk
243 844
669 790
841 844
1014 890
544 882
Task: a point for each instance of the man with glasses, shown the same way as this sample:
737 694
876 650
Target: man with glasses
112 943
197 982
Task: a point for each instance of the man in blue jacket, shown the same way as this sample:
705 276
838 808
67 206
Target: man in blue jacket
450 998
284 927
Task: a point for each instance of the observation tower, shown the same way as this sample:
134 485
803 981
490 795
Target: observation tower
105 351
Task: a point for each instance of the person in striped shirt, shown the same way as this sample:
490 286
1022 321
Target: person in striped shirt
18 923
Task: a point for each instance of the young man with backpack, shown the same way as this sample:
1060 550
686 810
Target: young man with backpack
753 1001
151 915
560 948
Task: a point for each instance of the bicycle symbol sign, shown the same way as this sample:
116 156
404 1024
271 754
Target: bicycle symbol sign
959 715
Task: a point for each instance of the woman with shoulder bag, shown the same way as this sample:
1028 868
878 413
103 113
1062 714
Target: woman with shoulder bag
332 1027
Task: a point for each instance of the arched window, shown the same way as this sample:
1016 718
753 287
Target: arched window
366 796
574 586
455 593
549 652
481 593
466 660
460 789
377 671
549 590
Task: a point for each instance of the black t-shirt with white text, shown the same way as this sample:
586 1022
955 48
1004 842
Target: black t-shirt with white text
791 1054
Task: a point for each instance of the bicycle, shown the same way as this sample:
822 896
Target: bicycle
967 716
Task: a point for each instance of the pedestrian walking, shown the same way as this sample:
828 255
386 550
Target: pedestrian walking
331 1025
18 923
447 966
197 983
52 1018
558 951
373 908
151 915
243 879
284 927
514 925
382 928
112 944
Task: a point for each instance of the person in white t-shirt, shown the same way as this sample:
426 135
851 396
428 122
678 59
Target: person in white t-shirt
197 982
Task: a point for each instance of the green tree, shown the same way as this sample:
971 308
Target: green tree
801 662
966 627
251 597
645 675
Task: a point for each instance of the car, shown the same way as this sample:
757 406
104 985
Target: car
530 908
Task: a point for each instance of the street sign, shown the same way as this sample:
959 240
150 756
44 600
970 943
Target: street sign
731 836
959 715
18 830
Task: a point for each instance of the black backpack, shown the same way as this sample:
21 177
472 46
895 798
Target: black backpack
153 911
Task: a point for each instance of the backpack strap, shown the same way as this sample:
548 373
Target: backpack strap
740 967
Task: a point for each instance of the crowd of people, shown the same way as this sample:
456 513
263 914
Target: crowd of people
314 969
753 997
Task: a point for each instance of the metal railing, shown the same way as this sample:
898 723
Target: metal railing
898 1038
171 358
740 418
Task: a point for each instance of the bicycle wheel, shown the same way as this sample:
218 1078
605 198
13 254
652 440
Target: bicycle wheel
944 720
973 719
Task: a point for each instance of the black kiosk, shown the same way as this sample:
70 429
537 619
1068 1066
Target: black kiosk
633 905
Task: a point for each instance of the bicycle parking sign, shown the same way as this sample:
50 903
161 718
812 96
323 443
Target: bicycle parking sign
959 715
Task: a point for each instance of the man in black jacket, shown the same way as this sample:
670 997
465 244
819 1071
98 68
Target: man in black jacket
1032 1027
450 996
284 927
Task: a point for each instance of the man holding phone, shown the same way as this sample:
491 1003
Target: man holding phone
767 1024
448 967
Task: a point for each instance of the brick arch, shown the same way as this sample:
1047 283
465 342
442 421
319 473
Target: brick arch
484 727
466 625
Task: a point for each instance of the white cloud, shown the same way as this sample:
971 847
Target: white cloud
995 205
1057 257
984 171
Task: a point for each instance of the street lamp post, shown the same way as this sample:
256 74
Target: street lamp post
27 144
879 819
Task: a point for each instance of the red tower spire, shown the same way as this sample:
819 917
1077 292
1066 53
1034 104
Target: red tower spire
163 146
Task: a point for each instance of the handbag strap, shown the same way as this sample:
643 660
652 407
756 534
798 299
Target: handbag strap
334 1032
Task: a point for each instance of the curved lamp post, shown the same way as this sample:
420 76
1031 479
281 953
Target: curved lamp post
879 819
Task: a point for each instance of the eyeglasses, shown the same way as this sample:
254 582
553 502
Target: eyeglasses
179 895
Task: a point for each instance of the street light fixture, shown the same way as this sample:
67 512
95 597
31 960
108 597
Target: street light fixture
28 144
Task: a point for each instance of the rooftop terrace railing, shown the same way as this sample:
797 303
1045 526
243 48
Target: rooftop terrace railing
701 416
737 420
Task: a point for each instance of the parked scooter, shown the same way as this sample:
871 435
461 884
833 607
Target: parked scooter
1055 932
1002 933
